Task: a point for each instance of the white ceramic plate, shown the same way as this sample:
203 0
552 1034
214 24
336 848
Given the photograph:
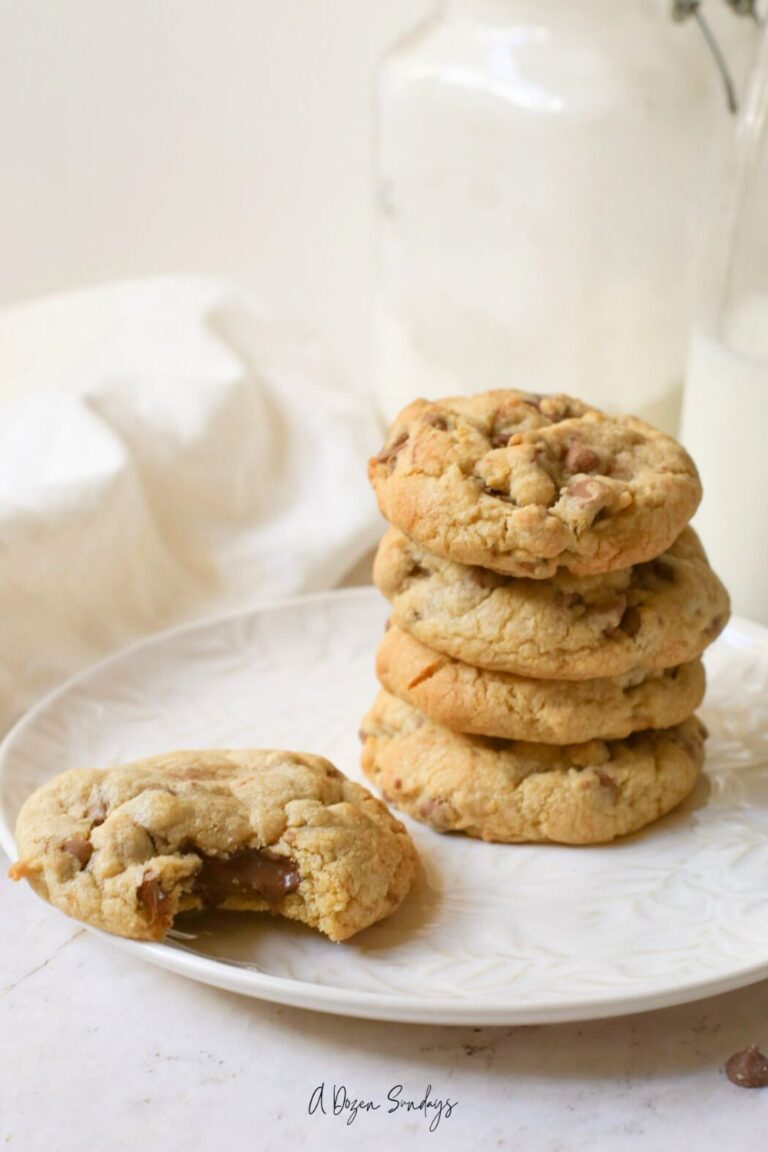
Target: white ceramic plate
494 934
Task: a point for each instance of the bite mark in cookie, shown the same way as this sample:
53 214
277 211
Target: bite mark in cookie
128 849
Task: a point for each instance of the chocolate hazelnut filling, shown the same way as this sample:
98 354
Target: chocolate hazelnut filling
256 870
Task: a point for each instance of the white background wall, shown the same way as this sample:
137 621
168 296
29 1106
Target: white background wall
231 137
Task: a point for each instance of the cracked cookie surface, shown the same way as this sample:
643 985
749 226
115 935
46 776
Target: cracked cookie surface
483 703
514 792
652 616
126 849
527 484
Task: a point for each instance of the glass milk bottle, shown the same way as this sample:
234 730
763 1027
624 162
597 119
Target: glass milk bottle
537 159
725 408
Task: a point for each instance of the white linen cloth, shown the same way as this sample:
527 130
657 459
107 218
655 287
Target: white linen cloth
166 452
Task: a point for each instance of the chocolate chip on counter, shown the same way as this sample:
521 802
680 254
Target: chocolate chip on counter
389 452
581 458
748 1069
80 848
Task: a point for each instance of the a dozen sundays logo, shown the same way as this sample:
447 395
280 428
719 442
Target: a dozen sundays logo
334 1100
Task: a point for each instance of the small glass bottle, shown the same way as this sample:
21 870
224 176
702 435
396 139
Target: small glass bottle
537 160
725 406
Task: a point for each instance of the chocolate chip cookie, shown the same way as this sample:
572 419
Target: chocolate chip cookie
510 791
528 485
127 849
484 703
652 616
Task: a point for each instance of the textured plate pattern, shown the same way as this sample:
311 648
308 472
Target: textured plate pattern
493 933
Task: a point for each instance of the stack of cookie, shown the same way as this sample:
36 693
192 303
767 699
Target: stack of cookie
549 610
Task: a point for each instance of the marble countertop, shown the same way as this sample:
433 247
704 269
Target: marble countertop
101 1051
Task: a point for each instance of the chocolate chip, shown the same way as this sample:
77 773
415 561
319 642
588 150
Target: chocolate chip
748 1069
607 781
154 901
80 848
388 624
581 458
390 452
362 736
585 489
436 420
497 494
631 621
499 439
255 870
